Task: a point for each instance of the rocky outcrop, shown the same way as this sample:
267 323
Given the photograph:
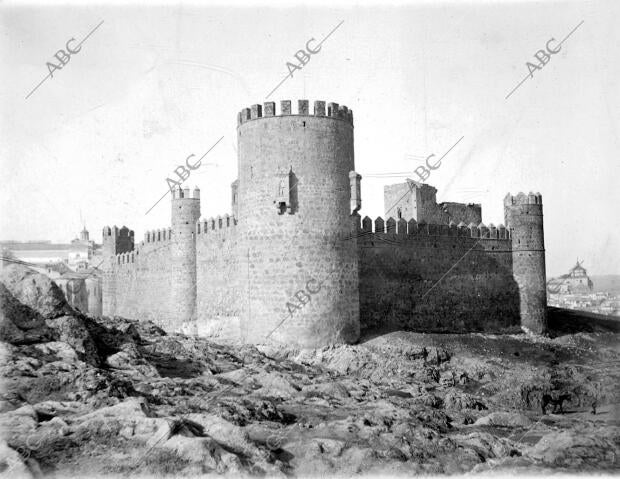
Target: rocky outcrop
34 290
20 324
84 397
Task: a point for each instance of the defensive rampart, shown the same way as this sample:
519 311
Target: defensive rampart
219 281
429 277
138 283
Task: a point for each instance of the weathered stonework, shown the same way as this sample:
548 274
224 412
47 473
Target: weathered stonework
418 201
296 264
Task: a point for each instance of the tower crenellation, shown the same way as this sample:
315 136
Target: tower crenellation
268 109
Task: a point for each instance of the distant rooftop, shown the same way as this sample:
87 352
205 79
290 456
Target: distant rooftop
38 245
25 242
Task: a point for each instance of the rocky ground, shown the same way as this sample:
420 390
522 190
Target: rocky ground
111 397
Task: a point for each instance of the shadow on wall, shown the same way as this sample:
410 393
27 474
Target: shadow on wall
293 180
404 287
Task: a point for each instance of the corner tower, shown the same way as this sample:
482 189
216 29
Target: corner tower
114 241
299 277
523 215
184 215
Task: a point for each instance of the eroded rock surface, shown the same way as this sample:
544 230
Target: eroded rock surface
110 396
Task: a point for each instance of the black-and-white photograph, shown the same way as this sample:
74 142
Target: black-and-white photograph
309 238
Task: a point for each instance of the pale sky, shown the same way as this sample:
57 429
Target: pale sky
158 82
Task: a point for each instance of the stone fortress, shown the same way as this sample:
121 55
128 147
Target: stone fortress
295 263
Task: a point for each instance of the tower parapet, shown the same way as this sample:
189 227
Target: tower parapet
268 109
524 217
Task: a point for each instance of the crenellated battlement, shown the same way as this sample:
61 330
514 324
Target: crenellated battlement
321 109
157 236
117 240
179 193
412 227
211 225
523 199
117 232
125 259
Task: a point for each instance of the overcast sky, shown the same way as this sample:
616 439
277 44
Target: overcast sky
154 84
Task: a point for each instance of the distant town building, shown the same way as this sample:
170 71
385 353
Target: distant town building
82 290
53 270
574 290
72 266
575 282
78 254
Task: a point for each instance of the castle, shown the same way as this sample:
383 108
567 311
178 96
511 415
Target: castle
295 263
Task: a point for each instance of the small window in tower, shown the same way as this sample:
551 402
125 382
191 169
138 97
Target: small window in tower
283 190
400 212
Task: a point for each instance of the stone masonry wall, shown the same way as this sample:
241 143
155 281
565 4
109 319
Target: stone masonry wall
82 293
398 197
220 282
296 267
461 212
285 254
524 216
437 278
141 285
412 200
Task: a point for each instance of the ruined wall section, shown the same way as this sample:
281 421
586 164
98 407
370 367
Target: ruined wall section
83 293
461 212
425 205
428 277
218 279
93 288
418 201
399 199
76 293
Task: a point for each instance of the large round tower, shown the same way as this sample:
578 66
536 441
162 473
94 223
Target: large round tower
524 216
299 278
185 213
